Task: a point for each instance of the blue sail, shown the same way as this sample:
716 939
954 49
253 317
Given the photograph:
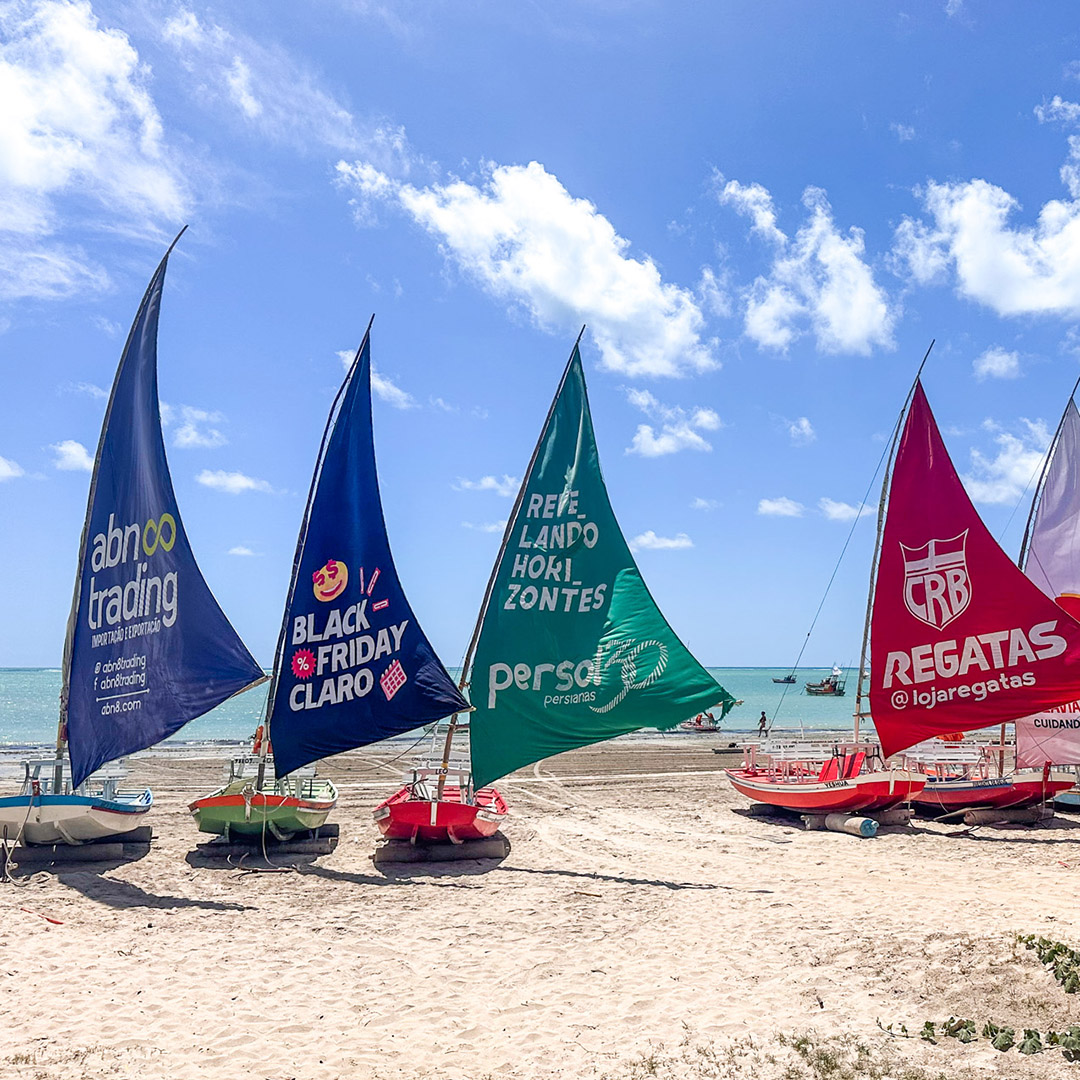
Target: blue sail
148 648
353 665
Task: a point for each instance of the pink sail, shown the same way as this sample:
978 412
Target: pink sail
1053 563
960 638
1053 556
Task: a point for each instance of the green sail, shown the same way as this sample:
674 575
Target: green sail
572 649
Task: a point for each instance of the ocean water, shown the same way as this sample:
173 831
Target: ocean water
29 699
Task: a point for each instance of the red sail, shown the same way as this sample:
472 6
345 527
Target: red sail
960 639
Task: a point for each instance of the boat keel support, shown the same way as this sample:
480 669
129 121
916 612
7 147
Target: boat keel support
853 825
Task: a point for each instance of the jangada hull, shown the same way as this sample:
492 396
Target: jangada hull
408 815
1025 787
868 792
238 809
71 819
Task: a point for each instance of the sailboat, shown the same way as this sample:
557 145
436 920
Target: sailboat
569 648
1050 556
961 638
352 665
147 646
853 777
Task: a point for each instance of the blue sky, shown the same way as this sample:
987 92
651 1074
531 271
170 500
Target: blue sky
763 211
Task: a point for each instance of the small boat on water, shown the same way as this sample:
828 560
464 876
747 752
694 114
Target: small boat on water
785 680
703 722
569 648
147 647
352 665
831 686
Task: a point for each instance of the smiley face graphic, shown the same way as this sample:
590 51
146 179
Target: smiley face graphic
329 582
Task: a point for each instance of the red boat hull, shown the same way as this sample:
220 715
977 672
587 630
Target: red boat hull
405 817
1024 788
873 791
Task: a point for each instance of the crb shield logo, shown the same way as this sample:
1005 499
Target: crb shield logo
636 664
936 585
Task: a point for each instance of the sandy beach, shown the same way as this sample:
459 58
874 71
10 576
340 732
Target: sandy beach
644 924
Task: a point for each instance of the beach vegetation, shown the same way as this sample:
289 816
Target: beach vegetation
1062 960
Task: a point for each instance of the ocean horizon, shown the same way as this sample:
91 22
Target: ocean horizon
29 700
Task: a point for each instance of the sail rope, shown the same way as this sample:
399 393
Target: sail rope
886 454
8 853
832 577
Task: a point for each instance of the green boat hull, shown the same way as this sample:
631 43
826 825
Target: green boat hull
280 809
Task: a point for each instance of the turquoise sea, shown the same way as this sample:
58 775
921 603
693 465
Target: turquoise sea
29 700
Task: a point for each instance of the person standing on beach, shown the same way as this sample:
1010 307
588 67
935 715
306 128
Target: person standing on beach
763 723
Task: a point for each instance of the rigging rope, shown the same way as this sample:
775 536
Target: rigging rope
832 578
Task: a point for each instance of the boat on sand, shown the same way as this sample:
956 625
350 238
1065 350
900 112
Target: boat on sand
569 647
352 665
147 647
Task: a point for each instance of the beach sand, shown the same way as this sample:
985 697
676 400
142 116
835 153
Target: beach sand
644 924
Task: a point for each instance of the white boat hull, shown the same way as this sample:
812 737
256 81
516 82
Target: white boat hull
71 819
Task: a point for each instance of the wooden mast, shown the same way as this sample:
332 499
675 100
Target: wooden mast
463 682
73 615
279 652
877 543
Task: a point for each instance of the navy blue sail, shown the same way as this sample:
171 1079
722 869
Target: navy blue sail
353 665
148 648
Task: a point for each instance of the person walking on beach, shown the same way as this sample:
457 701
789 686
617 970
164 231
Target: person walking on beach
762 724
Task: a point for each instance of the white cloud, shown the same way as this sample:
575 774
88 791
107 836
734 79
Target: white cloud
72 456
680 428
485 527
390 392
801 431
381 385
818 282
649 541
506 487
996 363
1021 270
704 504
842 511
268 92
10 470
240 549
903 132
780 507
192 434
232 483
442 406
78 125
1004 477
1058 110
85 388
526 240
